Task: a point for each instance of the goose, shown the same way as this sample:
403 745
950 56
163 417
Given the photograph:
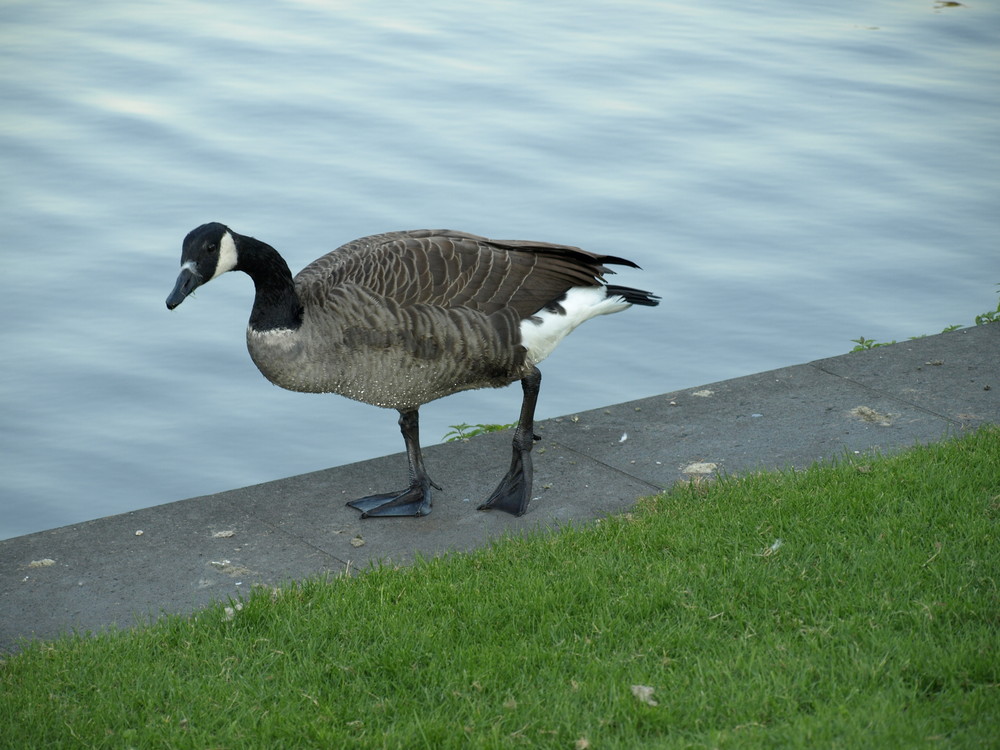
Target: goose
400 319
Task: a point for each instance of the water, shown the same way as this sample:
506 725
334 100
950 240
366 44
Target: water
790 179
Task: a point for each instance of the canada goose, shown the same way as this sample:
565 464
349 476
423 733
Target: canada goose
400 319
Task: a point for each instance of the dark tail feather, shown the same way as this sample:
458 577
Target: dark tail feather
634 296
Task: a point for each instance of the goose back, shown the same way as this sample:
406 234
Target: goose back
446 268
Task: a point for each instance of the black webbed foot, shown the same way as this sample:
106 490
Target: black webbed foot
513 493
415 500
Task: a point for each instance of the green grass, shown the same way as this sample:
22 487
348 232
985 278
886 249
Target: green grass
874 623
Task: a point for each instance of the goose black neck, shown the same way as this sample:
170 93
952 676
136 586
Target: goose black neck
276 305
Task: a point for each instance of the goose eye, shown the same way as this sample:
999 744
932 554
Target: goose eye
213 247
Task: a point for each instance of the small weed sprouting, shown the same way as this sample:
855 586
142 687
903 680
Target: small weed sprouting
990 316
864 344
465 431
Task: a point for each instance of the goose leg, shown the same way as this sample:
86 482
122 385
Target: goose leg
415 500
513 493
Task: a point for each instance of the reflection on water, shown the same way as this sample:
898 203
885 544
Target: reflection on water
788 182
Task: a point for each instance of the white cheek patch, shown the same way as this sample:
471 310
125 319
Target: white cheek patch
541 333
227 255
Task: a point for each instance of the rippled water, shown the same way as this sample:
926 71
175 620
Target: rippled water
788 179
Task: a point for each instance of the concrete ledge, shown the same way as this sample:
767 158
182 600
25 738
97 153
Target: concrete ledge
209 548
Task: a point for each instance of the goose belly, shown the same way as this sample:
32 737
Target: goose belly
376 368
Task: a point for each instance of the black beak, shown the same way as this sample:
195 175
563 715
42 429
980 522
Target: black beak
187 281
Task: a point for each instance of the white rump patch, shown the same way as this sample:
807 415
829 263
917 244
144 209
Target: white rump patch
227 255
542 332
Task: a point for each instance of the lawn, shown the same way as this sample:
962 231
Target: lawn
854 604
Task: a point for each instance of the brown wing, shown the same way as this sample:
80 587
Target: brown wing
454 269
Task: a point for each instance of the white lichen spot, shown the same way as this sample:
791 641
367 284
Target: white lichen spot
45 562
870 415
703 393
700 467
227 567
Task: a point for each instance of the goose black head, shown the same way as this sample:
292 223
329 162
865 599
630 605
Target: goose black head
208 251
